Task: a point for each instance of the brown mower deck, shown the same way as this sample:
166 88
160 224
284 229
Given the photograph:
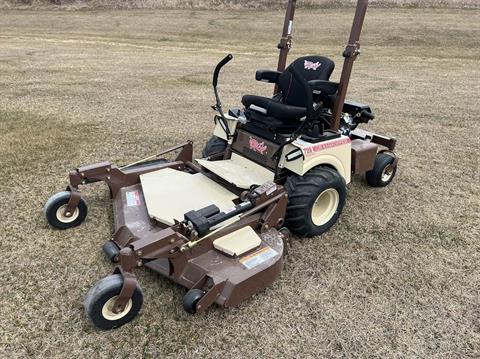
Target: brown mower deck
208 267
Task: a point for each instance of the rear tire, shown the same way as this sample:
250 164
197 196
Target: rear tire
383 171
213 146
315 201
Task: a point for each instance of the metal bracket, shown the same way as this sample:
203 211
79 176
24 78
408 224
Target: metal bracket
127 261
128 287
211 294
73 202
285 43
352 50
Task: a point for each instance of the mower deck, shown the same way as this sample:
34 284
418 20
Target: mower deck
227 267
243 276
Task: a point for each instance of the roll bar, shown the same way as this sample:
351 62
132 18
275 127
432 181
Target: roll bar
352 50
285 42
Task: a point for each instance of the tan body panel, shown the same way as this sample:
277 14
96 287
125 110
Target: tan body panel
169 194
238 242
239 171
335 153
219 131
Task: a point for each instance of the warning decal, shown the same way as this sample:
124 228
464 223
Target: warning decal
258 257
133 198
310 149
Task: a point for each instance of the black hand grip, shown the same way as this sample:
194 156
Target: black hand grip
267 75
367 115
219 66
306 87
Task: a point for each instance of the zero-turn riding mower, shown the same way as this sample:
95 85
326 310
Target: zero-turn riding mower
218 225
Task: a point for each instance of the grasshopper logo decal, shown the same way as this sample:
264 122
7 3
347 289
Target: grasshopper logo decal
257 146
309 65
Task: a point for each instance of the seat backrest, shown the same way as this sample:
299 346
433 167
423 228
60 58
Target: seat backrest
311 68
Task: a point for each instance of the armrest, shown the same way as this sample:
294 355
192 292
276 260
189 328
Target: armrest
267 76
323 87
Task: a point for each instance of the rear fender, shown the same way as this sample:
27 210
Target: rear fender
337 156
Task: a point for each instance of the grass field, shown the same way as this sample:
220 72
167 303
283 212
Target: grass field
224 4
397 277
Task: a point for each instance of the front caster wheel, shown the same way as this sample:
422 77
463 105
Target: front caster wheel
54 210
383 171
191 299
101 298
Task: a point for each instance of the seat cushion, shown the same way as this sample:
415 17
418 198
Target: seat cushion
273 108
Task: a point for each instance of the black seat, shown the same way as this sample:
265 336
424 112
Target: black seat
274 108
291 104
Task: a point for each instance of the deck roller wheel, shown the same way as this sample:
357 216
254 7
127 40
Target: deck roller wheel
111 251
191 299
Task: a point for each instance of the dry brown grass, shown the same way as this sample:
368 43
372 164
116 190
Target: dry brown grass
224 4
399 275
